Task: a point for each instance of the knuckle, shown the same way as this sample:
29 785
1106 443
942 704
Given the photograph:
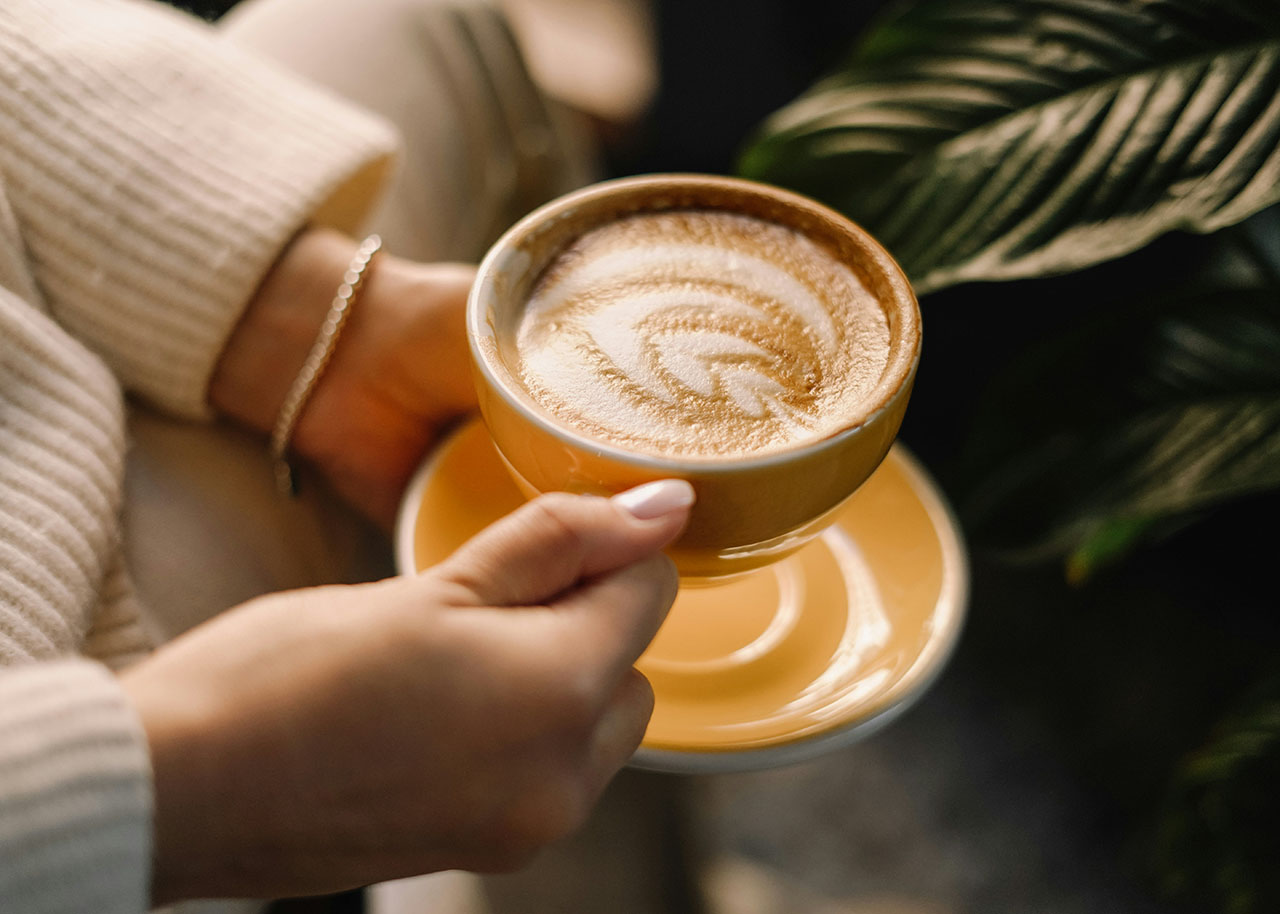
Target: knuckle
558 515
640 692
579 699
554 709
463 575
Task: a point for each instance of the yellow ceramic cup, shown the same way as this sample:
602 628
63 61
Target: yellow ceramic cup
750 511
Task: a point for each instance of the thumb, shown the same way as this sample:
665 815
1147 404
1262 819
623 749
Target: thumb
553 542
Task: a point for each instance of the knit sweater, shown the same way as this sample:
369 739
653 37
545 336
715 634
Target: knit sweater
149 176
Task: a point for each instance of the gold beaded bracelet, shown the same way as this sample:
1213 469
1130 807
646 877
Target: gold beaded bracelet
317 359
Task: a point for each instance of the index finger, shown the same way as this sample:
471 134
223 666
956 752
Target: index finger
557 541
608 621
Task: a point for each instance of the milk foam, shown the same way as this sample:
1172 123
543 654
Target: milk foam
701 333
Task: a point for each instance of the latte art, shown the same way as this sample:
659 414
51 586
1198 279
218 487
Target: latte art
700 333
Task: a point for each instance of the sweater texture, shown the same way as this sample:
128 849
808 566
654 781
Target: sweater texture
150 174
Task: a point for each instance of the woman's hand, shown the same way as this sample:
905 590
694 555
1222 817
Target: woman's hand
317 740
399 373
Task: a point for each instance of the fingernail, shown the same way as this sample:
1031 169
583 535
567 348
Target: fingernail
656 499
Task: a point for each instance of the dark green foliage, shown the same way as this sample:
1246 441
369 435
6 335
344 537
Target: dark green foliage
1218 843
1129 427
986 140
995 139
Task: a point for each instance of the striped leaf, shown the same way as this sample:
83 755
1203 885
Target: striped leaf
1179 414
1000 139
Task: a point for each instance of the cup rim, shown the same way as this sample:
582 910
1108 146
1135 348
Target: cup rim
896 378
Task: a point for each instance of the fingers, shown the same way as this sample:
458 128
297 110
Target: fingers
552 543
594 589
620 730
604 625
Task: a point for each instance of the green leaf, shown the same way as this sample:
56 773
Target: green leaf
1217 843
1110 540
1128 428
998 139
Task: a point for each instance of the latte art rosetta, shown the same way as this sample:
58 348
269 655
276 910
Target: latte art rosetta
700 333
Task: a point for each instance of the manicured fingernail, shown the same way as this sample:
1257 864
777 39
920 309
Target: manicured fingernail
656 499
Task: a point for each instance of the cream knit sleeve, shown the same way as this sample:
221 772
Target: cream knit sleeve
156 172
75 829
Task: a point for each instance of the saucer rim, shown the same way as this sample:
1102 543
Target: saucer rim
952 606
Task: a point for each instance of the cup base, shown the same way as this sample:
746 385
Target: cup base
778 665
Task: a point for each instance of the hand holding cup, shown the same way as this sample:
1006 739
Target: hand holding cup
321 739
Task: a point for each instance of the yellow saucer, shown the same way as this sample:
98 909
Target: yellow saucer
787 662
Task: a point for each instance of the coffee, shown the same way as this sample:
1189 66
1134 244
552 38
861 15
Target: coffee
701 333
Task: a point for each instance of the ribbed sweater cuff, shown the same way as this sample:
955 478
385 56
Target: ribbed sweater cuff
75 796
161 171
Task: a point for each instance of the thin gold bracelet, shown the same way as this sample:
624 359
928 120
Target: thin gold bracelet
317 360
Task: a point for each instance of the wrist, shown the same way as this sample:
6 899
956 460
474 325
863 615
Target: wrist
271 342
399 372
318 358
